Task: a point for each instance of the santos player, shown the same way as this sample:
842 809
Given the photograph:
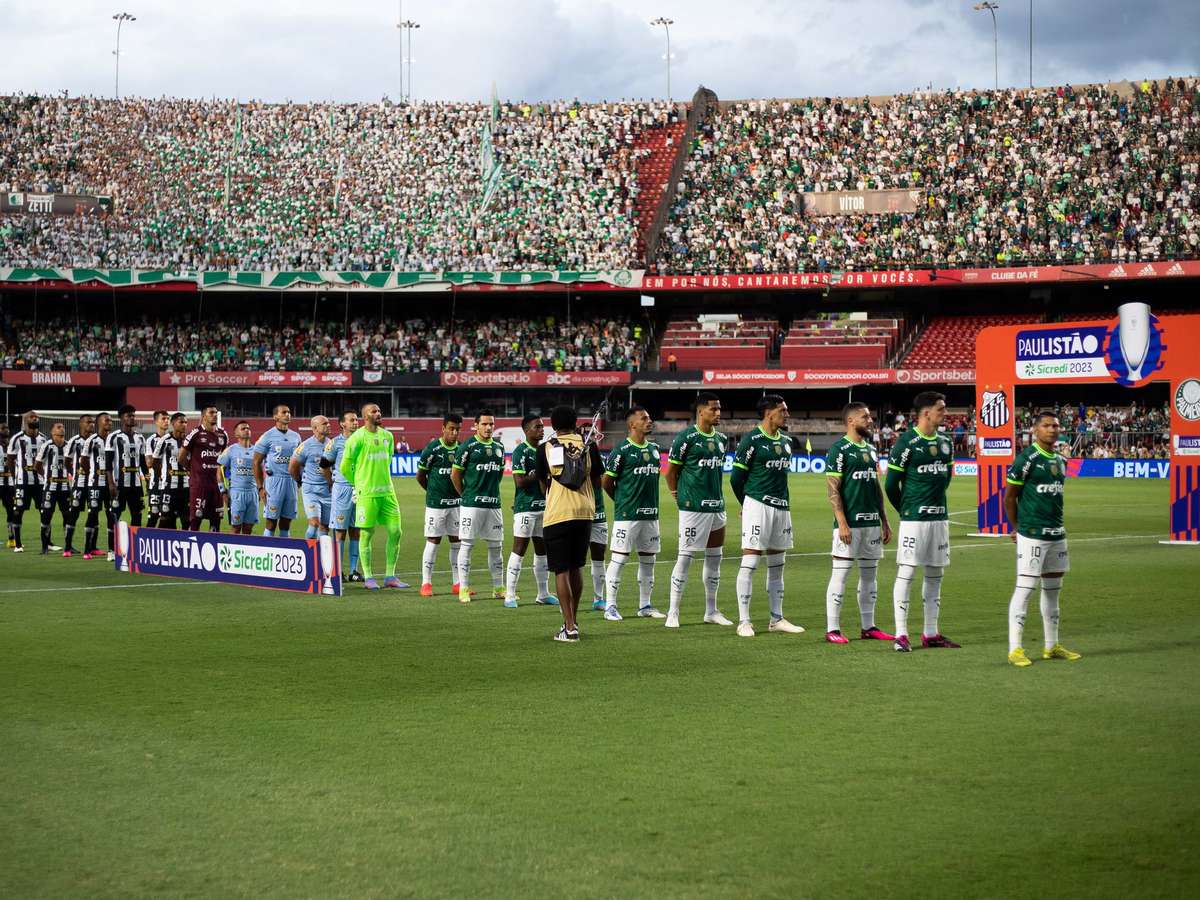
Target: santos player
631 477
919 470
760 482
529 506
694 474
1033 502
860 523
313 478
272 454
235 468
477 472
441 501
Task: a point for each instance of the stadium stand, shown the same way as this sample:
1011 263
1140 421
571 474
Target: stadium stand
950 340
655 149
832 343
718 340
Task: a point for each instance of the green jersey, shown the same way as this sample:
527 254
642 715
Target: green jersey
925 464
436 459
767 460
367 461
1040 476
856 467
636 469
482 465
524 462
601 515
701 458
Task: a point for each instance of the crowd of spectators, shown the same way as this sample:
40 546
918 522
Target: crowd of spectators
414 345
1012 177
1135 431
212 184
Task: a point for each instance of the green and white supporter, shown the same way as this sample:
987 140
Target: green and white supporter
529 506
760 482
1033 502
860 524
919 470
476 473
695 468
631 476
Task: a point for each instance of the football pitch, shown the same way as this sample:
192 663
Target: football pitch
184 739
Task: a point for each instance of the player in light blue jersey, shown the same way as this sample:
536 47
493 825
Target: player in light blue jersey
272 454
235 469
315 480
343 494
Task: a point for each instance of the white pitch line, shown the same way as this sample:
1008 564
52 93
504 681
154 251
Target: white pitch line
103 587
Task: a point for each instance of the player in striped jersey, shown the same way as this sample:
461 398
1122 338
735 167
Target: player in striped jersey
172 478
162 421
81 495
5 482
104 430
127 451
26 491
51 465
94 495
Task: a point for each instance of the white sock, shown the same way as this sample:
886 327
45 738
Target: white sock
541 574
645 581
464 567
428 558
1050 589
1017 608
745 585
834 593
775 585
454 548
712 578
612 579
868 571
598 579
679 576
931 592
514 575
904 577
496 563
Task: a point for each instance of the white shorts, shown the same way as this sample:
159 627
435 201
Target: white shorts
865 543
477 523
528 524
765 527
1035 556
923 544
695 528
599 533
636 536
441 522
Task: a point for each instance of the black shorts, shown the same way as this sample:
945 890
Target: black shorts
174 503
26 496
567 544
85 498
128 498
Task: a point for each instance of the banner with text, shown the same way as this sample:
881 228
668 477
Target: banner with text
858 203
51 378
255 379
54 204
534 379
839 378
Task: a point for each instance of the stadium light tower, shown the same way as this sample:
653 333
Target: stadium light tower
121 19
992 7
666 24
400 30
409 25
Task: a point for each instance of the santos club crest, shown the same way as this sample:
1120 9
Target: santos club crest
994 412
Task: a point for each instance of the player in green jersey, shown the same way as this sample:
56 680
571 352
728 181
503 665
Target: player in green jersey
631 476
529 505
860 523
760 482
695 468
441 501
367 464
1033 502
477 472
919 470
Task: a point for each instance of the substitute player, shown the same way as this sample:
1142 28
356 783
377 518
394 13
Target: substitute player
272 453
860 523
694 472
367 464
162 422
919 470
631 476
1033 502
127 450
26 490
235 469
529 505
476 473
53 469
441 501
198 453
760 482
315 480
343 494
175 493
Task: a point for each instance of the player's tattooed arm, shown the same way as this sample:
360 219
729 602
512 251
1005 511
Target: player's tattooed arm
833 487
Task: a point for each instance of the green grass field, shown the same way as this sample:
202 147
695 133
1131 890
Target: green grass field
183 739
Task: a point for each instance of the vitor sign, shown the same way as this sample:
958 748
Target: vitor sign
305 565
850 203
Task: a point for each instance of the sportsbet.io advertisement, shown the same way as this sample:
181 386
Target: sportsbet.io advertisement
303 565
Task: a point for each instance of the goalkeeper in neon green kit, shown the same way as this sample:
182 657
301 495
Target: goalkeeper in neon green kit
367 465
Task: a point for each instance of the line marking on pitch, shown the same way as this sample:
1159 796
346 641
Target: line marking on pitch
103 587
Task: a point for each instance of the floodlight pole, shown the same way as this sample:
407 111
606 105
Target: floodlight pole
666 24
992 7
121 19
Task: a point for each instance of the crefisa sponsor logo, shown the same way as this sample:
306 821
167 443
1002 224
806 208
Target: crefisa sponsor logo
993 446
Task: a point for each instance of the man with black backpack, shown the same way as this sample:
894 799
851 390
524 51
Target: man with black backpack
569 470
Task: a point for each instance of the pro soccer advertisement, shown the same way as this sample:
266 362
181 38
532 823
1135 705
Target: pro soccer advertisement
303 565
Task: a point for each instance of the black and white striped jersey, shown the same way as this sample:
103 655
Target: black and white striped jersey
22 452
166 457
93 457
76 451
53 460
127 454
152 443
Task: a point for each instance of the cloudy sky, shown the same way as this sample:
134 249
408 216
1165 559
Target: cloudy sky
590 49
